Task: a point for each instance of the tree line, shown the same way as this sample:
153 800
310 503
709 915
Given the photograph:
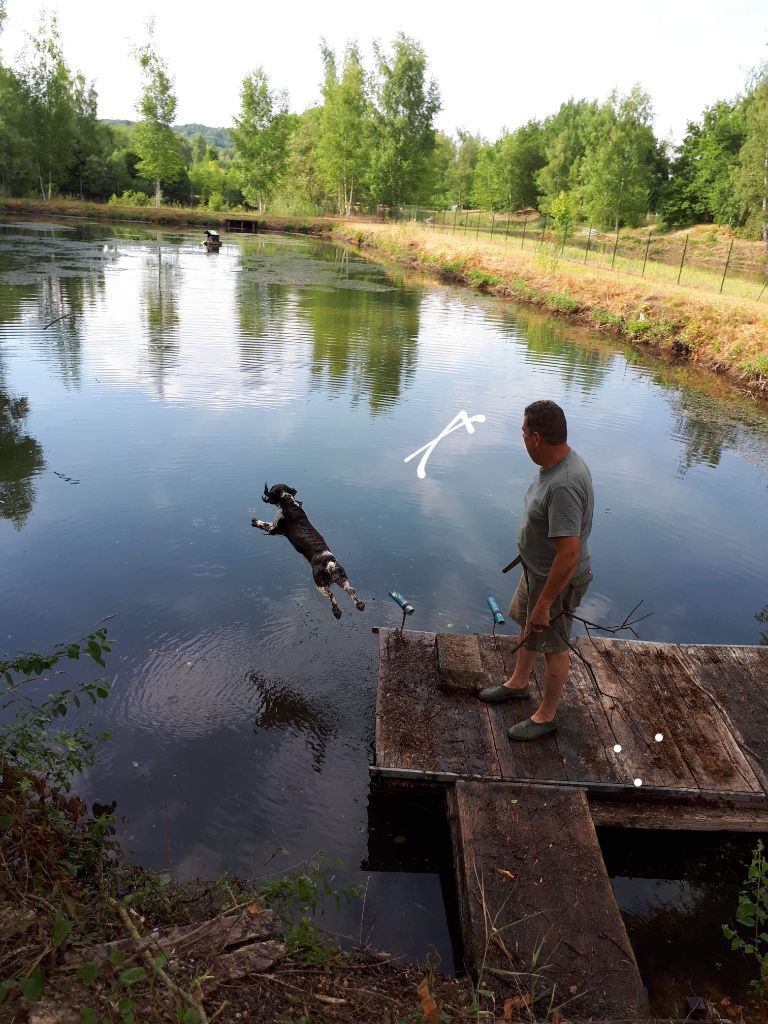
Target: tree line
371 142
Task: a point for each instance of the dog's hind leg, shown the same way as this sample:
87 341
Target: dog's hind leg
326 592
360 605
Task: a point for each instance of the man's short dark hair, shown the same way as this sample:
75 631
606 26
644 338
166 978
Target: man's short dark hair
547 419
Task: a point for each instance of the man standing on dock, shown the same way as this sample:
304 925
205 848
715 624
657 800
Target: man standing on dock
554 554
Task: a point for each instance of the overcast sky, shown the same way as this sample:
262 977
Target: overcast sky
497 64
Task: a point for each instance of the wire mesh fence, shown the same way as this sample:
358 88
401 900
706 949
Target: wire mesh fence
697 259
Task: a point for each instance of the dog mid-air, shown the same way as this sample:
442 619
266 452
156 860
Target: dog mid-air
292 522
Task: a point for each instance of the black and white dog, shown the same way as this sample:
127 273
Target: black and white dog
292 521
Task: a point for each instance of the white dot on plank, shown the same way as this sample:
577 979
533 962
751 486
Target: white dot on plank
617 748
659 737
638 782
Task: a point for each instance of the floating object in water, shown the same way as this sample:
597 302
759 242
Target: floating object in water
407 607
212 241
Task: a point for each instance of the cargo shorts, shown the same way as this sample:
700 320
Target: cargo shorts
555 639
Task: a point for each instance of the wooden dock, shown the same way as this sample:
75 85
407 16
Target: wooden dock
536 905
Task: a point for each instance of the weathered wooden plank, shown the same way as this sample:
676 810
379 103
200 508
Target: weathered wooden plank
514 759
738 678
420 726
678 815
677 759
630 702
717 745
535 899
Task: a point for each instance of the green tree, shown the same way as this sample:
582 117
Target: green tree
404 111
681 201
16 165
485 181
47 84
616 171
261 135
441 164
722 136
209 179
156 142
565 138
304 190
520 158
752 179
345 127
462 177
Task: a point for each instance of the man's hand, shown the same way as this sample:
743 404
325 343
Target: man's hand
540 617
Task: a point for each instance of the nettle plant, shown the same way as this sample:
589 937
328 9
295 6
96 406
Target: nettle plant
752 917
33 742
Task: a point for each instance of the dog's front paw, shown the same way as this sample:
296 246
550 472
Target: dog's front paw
360 605
336 612
255 522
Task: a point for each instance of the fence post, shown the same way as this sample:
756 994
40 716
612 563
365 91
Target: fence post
493 224
762 290
589 239
506 233
466 219
444 213
682 259
477 233
455 215
541 239
647 247
615 247
525 225
726 266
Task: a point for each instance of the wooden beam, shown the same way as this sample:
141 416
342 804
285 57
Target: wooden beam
679 816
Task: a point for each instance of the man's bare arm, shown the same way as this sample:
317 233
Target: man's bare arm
563 567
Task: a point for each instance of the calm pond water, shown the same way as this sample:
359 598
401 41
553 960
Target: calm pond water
136 435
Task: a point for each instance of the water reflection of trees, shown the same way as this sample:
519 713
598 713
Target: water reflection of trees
580 367
261 313
160 285
366 340
282 708
66 300
21 458
705 429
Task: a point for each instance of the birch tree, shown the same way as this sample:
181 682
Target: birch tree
345 123
405 108
261 135
156 142
47 84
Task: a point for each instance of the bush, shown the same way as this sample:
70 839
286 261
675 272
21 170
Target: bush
130 198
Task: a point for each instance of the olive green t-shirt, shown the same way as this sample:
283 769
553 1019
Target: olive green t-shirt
559 503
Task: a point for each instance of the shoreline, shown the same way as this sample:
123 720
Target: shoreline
724 334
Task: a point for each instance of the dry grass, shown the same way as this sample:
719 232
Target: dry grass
726 333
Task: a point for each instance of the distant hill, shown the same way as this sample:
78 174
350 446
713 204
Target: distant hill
213 136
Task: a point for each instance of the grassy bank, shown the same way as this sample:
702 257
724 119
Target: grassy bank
722 332
168 216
